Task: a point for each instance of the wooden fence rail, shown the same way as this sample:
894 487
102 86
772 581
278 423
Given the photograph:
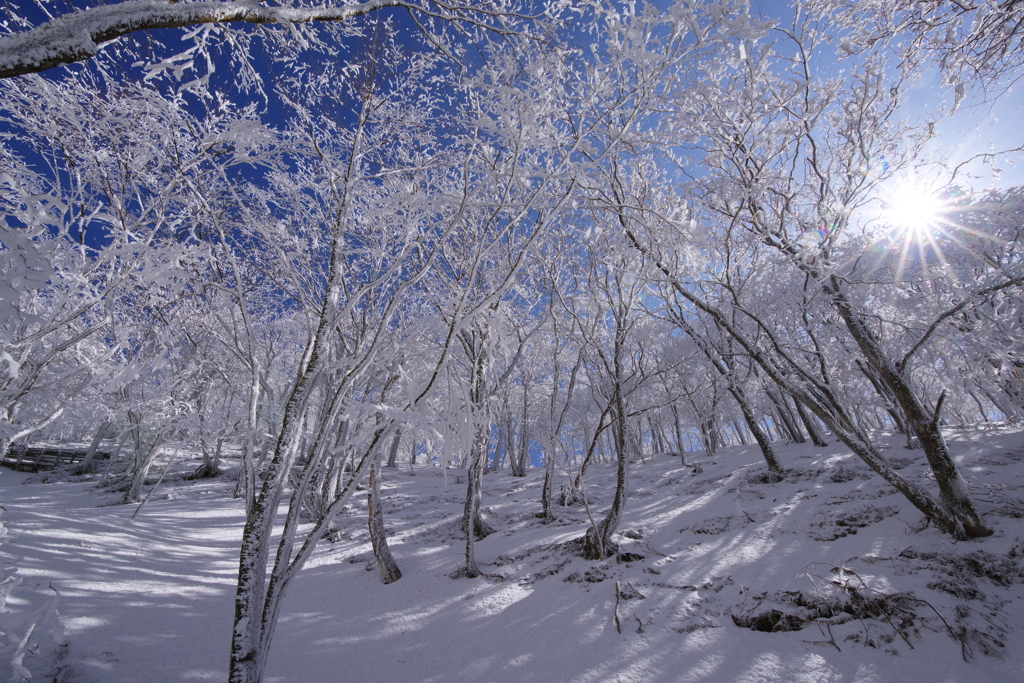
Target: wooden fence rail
35 458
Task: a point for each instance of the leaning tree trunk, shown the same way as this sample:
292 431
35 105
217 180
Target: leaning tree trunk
763 442
90 454
389 572
785 420
812 429
820 399
141 470
953 490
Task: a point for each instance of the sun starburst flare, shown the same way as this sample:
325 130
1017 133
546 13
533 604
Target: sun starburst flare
915 211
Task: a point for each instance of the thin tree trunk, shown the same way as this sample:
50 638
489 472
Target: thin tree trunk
472 522
393 453
891 406
211 464
597 543
521 457
786 420
601 426
981 407
741 434
679 436
812 429
114 456
246 483
141 470
101 434
763 442
499 448
389 572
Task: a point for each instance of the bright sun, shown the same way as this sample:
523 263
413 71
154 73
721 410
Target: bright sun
915 211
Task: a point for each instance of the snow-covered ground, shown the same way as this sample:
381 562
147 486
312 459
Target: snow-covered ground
831 552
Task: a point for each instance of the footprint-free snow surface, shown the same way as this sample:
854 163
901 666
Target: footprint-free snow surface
721 575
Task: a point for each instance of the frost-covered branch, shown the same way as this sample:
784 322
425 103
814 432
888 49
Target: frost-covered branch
78 36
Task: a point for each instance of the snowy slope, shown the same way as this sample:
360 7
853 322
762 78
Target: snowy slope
831 559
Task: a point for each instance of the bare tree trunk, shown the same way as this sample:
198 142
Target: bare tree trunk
211 464
741 434
520 458
891 405
812 429
472 522
597 543
786 420
981 406
499 447
246 484
393 453
763 442
114 456
679 436
953 490
389 572
601 426
101 434
709 435
547 514
141 470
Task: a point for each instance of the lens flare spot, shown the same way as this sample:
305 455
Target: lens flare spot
915 211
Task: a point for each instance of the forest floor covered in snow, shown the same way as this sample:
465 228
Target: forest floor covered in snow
828 575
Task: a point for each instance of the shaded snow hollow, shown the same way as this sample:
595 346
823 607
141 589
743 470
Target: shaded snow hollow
832 565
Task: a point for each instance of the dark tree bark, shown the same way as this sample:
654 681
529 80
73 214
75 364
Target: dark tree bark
953 490
891 405
741 434
393 453
786 419
679 439
519 458
763 442
735 388
472 522
812 429
547 514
